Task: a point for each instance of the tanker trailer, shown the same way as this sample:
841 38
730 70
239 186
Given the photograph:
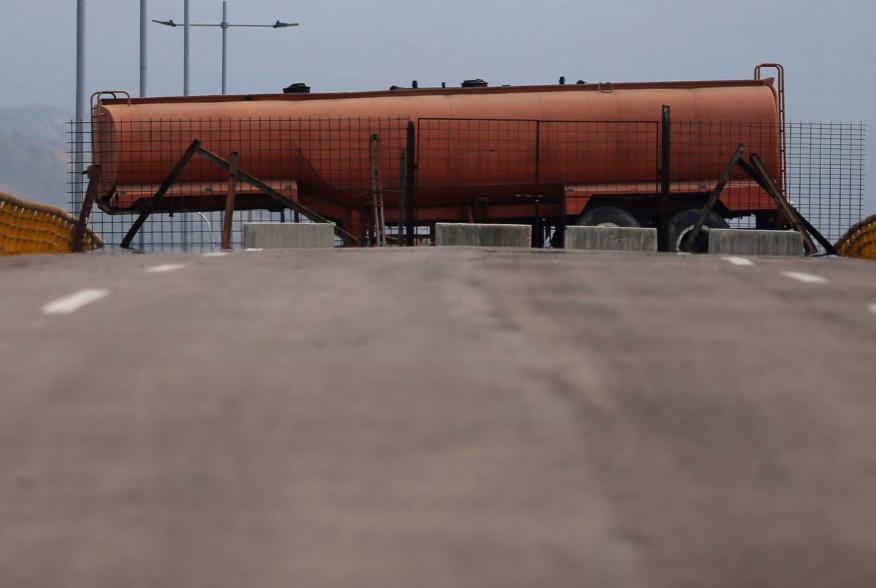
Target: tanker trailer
571 153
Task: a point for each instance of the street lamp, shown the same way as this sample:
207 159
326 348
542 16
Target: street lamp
224 25
143 17
78 147
186 52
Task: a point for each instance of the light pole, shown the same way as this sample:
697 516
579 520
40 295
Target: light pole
78 148
224 25
143 21
143 32
186 52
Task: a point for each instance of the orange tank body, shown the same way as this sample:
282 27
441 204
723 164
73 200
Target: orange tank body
137 141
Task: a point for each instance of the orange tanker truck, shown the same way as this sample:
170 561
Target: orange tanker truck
551 155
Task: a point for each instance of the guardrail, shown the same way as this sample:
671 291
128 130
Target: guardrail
860 240
30 227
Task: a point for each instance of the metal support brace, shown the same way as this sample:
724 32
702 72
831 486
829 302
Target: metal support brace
275 195
829 247
691 237
758 172
197 148
794 217
665 175
78 244
411 182
228 221
402 214
162 190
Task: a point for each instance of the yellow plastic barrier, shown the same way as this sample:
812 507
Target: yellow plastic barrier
860 241
29 227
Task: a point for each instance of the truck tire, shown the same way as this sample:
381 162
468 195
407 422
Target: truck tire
683 223
607 216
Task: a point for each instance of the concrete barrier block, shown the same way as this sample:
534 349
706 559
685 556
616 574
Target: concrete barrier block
482 235
611 238
755 242
288 235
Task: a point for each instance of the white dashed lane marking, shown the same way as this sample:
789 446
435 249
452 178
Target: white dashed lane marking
73 302
740 261
254 250
216 254
161 269
805 278
873 308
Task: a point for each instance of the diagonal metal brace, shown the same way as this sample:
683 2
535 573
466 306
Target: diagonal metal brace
763 178
162 190
78 242
280 198
691 237
829 247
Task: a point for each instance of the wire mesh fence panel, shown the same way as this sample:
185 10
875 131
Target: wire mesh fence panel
599 153
476 152
539 164
826 174
602 160
821 173
325 159
327 164
702 151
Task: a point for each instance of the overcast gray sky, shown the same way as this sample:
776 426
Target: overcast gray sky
827 47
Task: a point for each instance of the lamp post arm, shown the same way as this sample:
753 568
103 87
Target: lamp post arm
282 25
224 25
276 25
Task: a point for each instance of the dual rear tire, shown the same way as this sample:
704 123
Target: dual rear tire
683 223
680 225
607 216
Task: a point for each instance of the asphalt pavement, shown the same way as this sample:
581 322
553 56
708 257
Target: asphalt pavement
437 418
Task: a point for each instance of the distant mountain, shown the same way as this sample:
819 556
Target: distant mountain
33 159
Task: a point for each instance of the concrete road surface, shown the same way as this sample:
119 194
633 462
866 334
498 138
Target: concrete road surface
437 418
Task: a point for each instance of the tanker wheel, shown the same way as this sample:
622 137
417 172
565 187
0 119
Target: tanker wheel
607 216
684 222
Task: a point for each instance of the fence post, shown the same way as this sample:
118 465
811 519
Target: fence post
377 192
410 181
228 221
403 183
537 230
665 175
558 239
